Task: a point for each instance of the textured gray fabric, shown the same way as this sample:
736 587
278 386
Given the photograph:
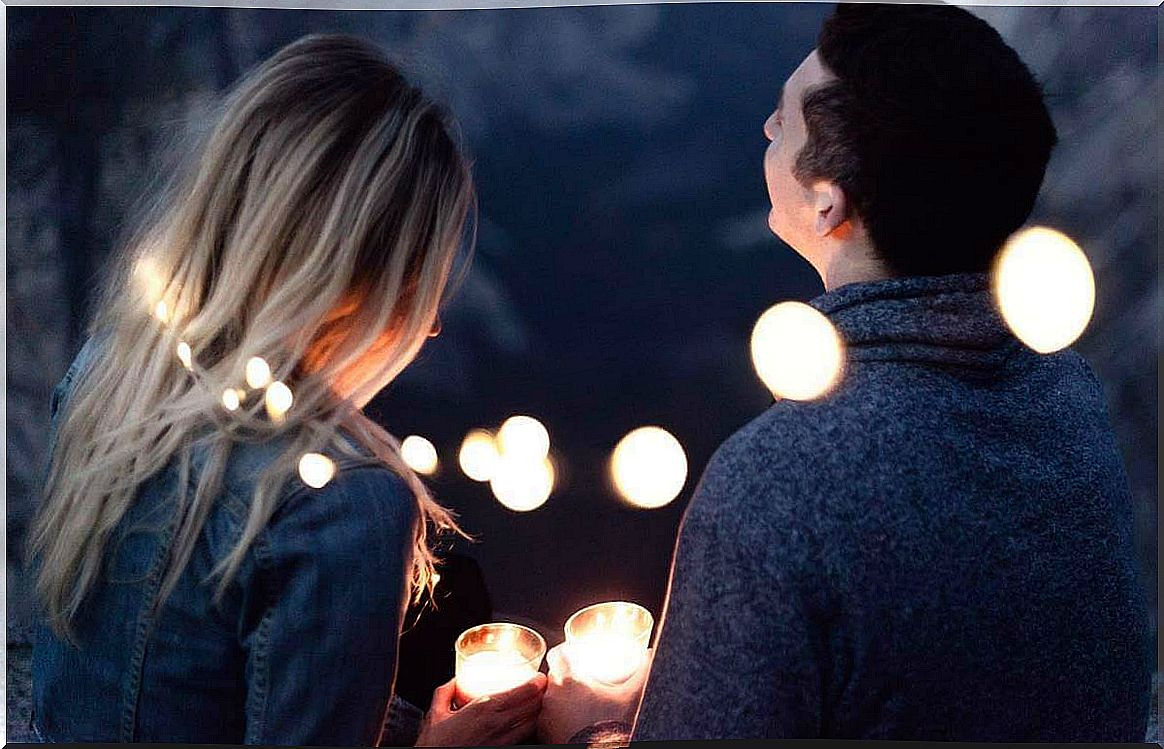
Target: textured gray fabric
939 549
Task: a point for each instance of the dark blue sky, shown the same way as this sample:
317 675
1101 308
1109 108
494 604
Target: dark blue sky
623 209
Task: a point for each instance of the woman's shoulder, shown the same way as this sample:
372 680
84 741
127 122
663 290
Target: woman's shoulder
333 497
333 474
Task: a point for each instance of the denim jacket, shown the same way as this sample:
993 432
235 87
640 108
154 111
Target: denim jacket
300 650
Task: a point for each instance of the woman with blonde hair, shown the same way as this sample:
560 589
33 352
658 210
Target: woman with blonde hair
226 544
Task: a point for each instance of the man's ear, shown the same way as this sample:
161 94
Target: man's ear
831 207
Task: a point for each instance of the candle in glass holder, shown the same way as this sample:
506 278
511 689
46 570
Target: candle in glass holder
494 658
607 642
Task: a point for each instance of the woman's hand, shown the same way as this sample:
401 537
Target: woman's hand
572 704
494 720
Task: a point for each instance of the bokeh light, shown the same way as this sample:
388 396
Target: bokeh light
230 399
185 355
478 455
796 351
649 467
278 400
258 372
316 470
148 279
523 437
521 484
419 454
1044 288
162 311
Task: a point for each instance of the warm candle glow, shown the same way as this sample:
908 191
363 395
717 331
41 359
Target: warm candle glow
606 657
419 454
1044 288
494 658
278 400
148 279
316 470
525 437
796 351
492 672
230 399
521 484
161 311
649 467
258 372
185 355
478 456
607 642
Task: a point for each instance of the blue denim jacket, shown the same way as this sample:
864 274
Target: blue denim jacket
300 650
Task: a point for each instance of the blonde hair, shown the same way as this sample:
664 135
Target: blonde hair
316 228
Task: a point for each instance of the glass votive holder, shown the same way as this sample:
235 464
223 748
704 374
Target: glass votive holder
496 657
607 642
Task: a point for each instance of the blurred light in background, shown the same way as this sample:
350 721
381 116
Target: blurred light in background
522 484
523 437
230 399
161 311
1044 288
796 351
419 454
258 372
478 455
278 400
649 467
148 280
185 355
316 470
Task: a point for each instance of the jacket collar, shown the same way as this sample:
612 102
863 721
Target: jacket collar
946 320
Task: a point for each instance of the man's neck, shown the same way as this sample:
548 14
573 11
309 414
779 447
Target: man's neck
853 265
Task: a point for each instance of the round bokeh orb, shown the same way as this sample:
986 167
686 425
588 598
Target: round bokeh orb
648 467
796 351
1044 288
419 454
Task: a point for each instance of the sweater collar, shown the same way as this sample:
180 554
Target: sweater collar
946 320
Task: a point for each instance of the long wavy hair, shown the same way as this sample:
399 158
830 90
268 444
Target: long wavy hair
316 227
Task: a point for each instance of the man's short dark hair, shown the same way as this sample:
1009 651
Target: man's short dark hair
935 130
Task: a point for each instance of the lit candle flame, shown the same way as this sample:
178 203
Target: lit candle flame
607 642
1044 288
419 454
649 467
492 672
494 658
162 311
796 351
316 470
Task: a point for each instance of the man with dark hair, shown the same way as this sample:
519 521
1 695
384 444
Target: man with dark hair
940 548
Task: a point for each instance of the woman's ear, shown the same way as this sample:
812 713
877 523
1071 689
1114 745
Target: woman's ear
831 207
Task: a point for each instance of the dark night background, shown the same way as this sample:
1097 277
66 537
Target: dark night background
623 253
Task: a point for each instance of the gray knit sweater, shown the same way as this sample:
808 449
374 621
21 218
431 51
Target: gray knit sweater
940 549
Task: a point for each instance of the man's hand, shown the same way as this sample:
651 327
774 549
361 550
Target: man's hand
495 720
571 704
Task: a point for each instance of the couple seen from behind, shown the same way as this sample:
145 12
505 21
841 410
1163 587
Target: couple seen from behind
939 549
